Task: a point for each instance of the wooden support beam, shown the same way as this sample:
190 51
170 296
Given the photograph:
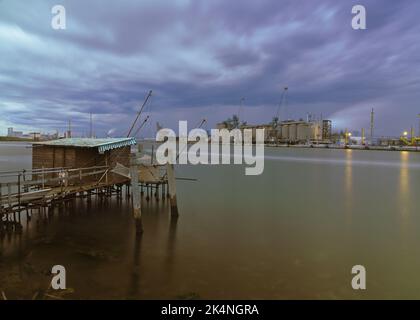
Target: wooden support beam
172 189
9 194
134 173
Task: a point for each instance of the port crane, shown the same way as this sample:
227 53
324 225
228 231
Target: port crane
283 101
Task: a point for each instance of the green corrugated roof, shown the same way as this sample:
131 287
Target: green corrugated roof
102 144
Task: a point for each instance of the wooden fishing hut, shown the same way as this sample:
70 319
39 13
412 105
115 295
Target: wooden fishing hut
73 153
77 167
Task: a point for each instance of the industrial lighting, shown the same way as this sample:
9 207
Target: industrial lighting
405 133
349 134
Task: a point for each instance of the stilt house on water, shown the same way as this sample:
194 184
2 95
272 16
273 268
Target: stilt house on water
74 153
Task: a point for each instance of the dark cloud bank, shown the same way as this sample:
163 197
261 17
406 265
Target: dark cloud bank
201 57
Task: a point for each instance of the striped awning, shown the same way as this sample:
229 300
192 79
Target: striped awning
103 144
116 145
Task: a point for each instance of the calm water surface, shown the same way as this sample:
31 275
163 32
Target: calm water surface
293 232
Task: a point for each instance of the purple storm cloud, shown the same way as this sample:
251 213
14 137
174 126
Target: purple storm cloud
201 57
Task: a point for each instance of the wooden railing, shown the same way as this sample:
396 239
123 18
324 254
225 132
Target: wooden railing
30 182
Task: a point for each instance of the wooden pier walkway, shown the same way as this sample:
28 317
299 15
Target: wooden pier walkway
26 190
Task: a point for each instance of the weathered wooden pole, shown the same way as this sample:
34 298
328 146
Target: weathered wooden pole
9 195
106 164
1 211
134 173
172 189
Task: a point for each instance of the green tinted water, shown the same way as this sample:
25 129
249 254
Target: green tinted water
293 232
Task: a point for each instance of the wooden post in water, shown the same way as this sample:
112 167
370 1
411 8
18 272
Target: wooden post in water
43 177
106 164
9 194
172 189
134 173
25 187
19 190
1 211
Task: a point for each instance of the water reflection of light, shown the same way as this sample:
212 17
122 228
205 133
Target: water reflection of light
404 197
348 171
404 184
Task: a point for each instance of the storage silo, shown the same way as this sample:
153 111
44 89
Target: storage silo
292 132
302 131
278 133
284 131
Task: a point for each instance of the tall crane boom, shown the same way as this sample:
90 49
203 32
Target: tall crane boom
283 100
139 113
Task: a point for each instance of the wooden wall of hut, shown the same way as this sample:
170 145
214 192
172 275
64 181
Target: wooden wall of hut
52 157
44 156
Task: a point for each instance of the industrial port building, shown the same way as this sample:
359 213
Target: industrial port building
292 131
304 131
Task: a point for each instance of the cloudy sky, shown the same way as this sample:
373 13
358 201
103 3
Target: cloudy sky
200 57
